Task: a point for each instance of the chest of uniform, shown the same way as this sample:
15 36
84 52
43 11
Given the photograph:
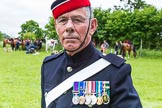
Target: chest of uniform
86 94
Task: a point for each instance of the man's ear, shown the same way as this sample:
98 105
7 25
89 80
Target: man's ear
93 26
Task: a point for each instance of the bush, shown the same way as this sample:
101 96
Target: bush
150 53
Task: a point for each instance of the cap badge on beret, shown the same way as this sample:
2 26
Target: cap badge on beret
60 7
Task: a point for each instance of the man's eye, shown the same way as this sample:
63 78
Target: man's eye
63 20
77 20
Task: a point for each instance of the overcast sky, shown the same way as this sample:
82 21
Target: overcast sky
14 13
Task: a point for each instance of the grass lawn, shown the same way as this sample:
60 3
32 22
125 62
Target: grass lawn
147 76
20 80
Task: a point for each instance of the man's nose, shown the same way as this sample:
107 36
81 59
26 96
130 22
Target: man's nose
69 26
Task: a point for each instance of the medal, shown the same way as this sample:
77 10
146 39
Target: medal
99 98
75 98
81 100
88 99
88 93
105 96
82 90
93 97
99 101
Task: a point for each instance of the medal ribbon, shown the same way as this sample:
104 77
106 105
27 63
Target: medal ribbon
75 87
97 88
93 87
100 86
89 87
107 87
106 92
82 87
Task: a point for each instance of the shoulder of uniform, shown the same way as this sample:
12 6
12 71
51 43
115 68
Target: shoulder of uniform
114 59
51 57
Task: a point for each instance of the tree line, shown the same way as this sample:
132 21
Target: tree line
140 25
136 21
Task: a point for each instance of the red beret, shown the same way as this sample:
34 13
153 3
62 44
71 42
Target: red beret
60 7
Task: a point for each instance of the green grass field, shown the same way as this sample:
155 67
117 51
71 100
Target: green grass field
20 80
147 78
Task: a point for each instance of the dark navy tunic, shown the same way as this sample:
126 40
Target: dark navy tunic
122 92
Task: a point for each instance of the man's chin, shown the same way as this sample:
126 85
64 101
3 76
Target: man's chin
71 46
70 49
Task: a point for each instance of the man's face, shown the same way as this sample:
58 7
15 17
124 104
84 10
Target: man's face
72 28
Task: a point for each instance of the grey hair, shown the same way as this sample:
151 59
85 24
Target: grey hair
89 12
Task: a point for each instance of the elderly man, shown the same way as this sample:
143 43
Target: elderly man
81 76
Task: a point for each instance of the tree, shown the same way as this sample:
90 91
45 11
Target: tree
29 35
145 23
31 27
133 4
1 35
101 33
50 29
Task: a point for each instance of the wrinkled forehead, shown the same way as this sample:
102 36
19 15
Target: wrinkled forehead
60 7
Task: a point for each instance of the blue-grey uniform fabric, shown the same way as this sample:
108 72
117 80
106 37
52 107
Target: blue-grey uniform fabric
122 92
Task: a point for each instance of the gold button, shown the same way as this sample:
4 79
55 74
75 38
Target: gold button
69 69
